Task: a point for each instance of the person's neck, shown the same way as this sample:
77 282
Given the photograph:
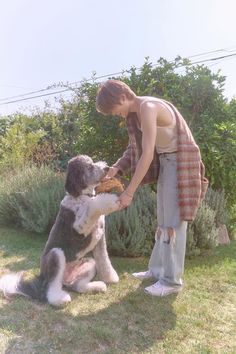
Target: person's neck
135 105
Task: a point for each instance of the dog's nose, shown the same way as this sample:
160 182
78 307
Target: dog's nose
106 169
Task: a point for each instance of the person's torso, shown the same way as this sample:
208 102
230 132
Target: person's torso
166 136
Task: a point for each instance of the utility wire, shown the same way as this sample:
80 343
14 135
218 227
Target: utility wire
218 58
100 77
229 49
97 78
51 87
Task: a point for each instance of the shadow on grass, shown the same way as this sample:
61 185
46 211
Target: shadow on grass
131 324
103 323
124 321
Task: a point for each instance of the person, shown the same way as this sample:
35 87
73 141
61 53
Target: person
161 149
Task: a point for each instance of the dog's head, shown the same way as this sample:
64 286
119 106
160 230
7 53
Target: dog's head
83 173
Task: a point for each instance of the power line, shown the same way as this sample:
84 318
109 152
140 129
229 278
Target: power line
228 49
51 87
77 82
97 78
218 58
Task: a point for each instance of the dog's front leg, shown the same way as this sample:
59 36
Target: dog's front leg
102 204
81 223
105 270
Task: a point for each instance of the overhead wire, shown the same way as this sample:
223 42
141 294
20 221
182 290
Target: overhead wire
22 97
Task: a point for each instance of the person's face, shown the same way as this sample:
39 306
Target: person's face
121 109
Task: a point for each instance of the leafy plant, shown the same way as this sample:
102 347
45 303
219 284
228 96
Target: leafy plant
203 230
30 198
131 232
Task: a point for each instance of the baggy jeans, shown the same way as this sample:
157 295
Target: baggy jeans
167 259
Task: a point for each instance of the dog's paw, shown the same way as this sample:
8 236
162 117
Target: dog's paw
91 287
112 203
99 287
111 278
60 298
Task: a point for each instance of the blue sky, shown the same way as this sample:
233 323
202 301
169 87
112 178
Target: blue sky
50 41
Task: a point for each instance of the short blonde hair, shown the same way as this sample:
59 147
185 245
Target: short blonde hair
109 95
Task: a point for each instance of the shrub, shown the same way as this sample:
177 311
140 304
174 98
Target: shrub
18 142
130 232
191 244
217 202
231 222
202 232
30 198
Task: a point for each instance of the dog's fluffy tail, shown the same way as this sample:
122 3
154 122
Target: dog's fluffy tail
47 287
14 283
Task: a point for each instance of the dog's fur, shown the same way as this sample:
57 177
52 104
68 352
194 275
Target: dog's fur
79 228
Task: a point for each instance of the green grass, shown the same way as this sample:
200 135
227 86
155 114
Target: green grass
201 319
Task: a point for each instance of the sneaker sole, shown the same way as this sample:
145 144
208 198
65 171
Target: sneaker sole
172 291
142 277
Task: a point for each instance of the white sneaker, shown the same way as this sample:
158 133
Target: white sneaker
159 289
143 275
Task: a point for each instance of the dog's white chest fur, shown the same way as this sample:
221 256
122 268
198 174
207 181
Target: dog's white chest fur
87 210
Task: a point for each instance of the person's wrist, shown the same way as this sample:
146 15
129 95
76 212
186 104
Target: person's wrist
129 194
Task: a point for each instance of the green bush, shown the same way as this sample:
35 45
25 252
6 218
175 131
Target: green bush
191 244
217 202
30 198
18 142
202 232
130 232
231 222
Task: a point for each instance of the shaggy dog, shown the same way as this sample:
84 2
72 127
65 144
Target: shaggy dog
79 228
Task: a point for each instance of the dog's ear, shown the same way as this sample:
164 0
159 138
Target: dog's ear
75 179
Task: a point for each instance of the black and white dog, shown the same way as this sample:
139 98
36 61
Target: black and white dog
79 228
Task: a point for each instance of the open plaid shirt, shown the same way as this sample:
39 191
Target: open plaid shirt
192 184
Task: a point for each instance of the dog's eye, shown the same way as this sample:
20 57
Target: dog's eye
90 168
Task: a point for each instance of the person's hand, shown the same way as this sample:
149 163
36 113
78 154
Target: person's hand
125 200
111 173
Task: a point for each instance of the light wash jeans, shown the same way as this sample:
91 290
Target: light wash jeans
167 259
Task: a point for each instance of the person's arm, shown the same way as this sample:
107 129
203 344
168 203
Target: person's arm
149 129
123 164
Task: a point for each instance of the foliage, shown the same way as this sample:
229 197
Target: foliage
30 198
202 232
98 133
17 143
130 232
196 91
217 202
54 136
231 225
218 148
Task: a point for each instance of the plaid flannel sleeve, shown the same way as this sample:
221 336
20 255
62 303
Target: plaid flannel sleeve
124 163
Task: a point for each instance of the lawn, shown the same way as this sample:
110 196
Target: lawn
201 319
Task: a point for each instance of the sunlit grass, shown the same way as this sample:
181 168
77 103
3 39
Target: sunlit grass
201 319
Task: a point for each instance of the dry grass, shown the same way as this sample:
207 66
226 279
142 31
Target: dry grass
202 319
